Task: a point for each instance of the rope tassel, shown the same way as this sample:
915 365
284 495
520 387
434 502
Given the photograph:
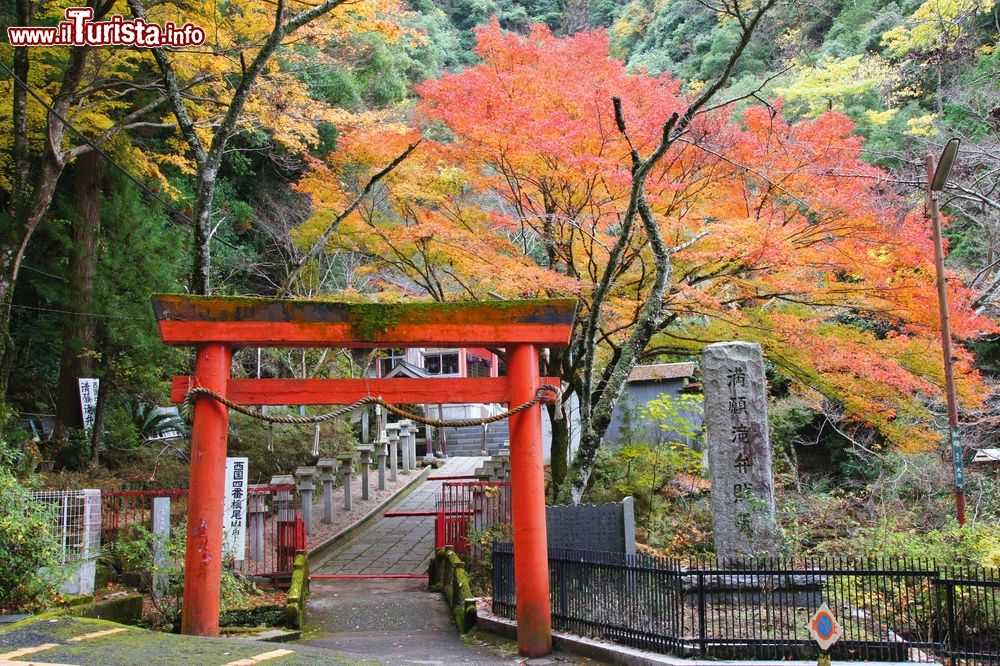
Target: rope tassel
187 409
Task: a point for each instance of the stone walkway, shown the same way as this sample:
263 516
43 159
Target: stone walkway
397 620
396 545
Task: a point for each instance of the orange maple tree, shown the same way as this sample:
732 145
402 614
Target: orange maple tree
532 181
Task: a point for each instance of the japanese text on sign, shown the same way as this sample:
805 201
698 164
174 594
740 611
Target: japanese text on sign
234 510
88 400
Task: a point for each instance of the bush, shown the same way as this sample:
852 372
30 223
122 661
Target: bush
134 552
26 544
480 560
670 509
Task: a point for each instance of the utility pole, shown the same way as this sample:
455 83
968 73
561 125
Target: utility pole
937 177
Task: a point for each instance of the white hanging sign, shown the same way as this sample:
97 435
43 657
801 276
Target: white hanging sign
88 400
234 511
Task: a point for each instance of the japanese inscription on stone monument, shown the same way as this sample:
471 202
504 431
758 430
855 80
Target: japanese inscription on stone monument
739 449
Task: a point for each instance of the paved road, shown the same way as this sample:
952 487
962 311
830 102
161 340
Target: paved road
401 545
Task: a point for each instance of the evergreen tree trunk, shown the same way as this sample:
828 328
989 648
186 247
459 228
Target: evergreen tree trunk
79 329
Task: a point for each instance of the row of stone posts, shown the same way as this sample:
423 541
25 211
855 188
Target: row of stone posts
391 438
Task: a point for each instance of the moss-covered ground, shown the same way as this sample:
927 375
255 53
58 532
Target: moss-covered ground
149 648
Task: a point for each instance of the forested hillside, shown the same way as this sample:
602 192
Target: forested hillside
762 178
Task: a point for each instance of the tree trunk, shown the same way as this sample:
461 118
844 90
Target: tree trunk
201 274
97 434
576 17
560 444
79 329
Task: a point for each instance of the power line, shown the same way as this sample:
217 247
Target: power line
28 89
92 315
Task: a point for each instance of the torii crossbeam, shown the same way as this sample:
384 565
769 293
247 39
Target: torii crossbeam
215 325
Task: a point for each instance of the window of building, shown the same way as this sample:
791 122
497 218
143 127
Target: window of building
389 359
477 367
441 363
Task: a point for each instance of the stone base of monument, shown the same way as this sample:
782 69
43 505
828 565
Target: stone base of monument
803 589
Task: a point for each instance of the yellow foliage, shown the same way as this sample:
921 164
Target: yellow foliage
921 125
279 103
834 82
880 118
631 24
936 24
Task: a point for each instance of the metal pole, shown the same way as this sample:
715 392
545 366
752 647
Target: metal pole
531 557
949 370
203 559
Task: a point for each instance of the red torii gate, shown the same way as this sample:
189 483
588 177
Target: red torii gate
215 325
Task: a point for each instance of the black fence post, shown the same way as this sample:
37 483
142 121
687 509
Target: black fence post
702 629
563 591
934 580
948 644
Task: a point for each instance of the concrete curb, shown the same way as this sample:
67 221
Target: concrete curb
626 656
321 552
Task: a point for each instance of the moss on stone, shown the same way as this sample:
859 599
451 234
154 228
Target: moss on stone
448 575
125 610
298 590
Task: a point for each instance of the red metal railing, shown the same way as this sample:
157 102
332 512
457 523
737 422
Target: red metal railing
275 529
122 508
473 508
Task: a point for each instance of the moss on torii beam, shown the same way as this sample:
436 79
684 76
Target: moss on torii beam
244 320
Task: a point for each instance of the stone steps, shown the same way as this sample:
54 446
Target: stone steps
468 441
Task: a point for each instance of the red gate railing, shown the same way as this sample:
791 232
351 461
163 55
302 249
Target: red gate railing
471 509
122 508
275 530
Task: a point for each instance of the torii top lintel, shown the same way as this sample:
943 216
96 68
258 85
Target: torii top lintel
271 322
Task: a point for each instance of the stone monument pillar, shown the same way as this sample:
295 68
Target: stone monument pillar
365 452
305 486
392 432
161 537
404 445
383 453
346 471
257 515
739 450
327 477
408 440
412 440
429 438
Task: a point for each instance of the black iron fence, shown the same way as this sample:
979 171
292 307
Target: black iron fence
889 610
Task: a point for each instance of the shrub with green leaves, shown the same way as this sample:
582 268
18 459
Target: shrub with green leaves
134 552
26 545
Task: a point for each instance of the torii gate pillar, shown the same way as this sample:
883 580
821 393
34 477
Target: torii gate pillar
202 562
527 479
